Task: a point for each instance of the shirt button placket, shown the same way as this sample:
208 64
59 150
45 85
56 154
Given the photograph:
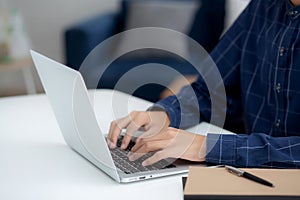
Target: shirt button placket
281 51
293 13
277 123
278 87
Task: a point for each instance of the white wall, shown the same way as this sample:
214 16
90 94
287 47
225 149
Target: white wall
45 20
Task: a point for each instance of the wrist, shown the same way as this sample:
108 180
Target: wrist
160 109
197 150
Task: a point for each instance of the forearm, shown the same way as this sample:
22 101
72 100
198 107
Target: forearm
255 150
183 109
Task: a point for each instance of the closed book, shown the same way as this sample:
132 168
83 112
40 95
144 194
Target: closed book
219 184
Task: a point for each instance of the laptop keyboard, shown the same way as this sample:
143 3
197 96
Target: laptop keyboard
124 164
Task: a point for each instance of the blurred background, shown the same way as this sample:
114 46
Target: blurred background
67 30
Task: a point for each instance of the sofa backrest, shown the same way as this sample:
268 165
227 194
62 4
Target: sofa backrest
207 26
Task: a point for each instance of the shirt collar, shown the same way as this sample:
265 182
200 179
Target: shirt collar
292 11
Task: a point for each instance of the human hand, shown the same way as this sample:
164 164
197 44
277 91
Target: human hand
169 143
151 122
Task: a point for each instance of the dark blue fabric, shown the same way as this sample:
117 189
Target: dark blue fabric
150 92
209 23
81 38
259 60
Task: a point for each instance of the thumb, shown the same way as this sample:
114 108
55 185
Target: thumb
155 158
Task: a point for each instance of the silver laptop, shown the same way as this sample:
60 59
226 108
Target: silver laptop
69 98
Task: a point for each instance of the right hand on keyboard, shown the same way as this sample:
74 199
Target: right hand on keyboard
166 142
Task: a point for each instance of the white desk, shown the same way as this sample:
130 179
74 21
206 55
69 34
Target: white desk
36 163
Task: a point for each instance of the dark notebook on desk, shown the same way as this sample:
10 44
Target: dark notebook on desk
219 184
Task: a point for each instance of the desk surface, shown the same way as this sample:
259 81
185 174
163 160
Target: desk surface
36 163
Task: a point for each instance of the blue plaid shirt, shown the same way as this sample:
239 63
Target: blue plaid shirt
259 61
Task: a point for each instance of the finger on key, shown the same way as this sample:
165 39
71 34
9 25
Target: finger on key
155 158
116 129
138 120
131 129
146 148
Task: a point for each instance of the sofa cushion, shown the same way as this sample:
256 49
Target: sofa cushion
171 14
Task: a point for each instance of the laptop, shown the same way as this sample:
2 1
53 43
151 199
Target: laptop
74 113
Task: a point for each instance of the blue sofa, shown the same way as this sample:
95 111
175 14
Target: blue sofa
81 38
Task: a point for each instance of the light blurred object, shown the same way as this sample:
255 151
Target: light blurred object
174 15
14 41
233 10
4 48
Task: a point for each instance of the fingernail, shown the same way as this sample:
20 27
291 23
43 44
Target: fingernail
131 158
129 154
123 146
144 163
109 143
112 145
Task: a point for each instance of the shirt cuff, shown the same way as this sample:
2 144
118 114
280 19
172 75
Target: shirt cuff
221 149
